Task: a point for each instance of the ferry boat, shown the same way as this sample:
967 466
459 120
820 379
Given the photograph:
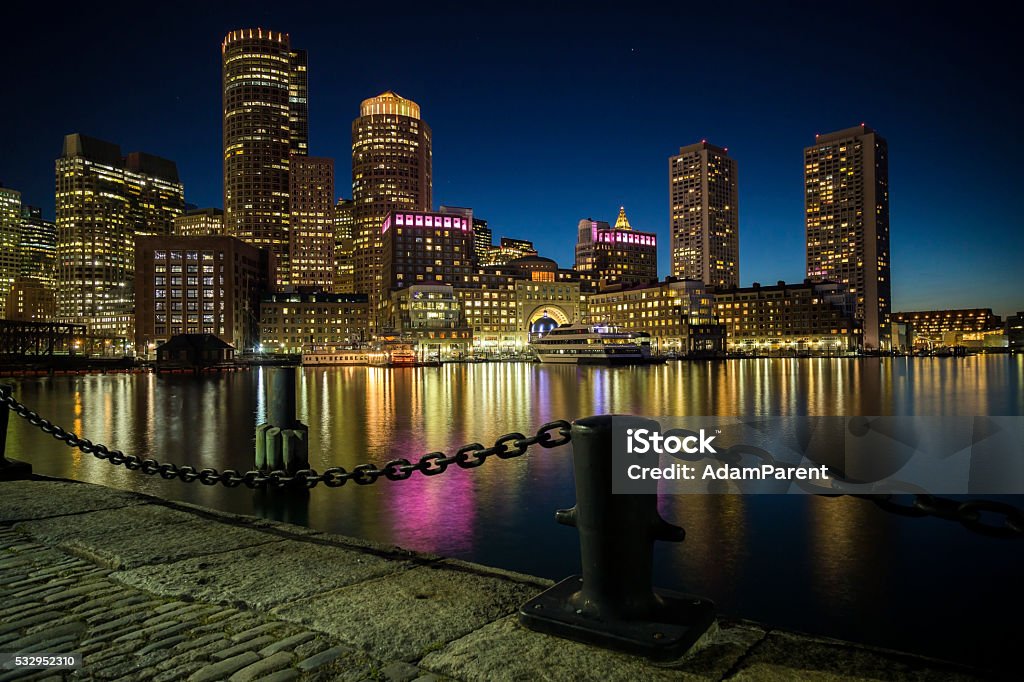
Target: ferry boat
393 355
327 358
583 344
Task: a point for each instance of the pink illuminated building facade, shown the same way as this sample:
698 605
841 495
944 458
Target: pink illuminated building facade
616 255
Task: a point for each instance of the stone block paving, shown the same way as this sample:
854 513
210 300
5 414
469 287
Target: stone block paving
151 590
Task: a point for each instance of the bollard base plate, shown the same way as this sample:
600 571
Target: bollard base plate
13 470
668 636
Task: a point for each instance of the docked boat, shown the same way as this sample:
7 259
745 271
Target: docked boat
393 355
582 344
325 358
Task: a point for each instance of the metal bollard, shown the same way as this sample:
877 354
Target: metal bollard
282 443
10 470
613 604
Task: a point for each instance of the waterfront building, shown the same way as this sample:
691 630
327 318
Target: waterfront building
104 202
423 247
788 318
200 222
311 201
508 249
10 240
491 309
265 121
432 316
199 285
344 226
1015 332
391 171
846 195
678 314
704 212
542 295
30 300
305 321
616 255
960 327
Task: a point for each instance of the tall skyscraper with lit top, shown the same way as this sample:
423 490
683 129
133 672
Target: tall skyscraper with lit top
391 170
846 183
703 198
265 121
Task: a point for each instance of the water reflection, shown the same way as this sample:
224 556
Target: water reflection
838 563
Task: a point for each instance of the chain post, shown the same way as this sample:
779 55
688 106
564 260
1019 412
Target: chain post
613 603
10 470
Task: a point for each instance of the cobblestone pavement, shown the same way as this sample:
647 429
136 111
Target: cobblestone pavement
151 590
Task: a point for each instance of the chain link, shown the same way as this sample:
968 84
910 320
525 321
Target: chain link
986 517
467 457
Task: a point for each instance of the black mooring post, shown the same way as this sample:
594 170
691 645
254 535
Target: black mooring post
281 403
10 470
613 603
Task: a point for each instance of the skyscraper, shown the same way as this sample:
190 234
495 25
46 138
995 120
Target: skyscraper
703 205
103 202
616 255
265 120
10 237
312 222
38 246
344 228
391 170
846 183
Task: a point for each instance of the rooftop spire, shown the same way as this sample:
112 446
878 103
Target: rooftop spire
622 223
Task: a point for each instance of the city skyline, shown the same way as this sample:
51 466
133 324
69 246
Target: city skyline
536 179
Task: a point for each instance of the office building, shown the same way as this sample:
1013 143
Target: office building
846 183
432 316
423 247
703 207
199 285
344 242
306 321
616 255
391 171
265 121
10 241
30 300
507 250
311 197
938 328
482 239
104 201
200 222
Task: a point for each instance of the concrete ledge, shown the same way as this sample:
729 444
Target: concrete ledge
203 595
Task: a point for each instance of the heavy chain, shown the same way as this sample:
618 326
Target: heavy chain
986 517
550 435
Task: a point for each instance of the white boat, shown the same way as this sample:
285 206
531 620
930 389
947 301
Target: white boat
582 344
326 358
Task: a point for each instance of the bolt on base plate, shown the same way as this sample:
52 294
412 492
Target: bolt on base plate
669 635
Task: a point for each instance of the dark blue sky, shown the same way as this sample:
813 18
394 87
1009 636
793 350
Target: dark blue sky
551 112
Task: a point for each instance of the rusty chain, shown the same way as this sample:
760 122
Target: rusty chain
1004 520
550 435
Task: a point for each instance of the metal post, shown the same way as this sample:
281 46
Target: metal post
613 603
10 470
281 398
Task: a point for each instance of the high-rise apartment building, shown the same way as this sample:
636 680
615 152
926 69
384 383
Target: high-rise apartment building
200 222
105 200
34 289
311 197
391 171
616 255
482 238
703 206
846 183
265 121
10 238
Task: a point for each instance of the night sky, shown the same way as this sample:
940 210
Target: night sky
544 114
